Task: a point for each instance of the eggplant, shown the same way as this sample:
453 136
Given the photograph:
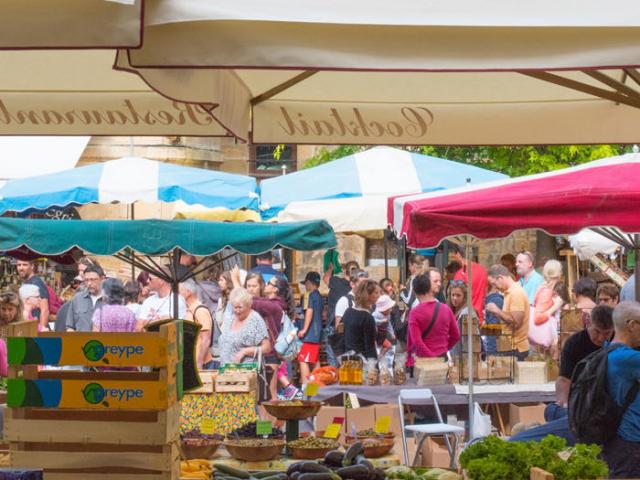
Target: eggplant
294 476
276 476
352 452
313 467
354 472
362 460
379 474
334 458
318 476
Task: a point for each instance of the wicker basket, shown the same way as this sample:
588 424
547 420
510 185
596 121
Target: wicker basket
531 372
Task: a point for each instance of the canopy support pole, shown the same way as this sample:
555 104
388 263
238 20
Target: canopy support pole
175 281
636 273
469 331
386 253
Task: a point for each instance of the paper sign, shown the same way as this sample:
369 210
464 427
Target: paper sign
383 424
332 430
311 390
207 426
351 401
339 420
264 427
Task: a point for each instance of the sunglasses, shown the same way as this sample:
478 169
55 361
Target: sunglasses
456 283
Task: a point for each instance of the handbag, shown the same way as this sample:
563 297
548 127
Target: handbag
287 344
264 376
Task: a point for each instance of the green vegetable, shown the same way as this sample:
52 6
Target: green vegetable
495 459
234 472
448 475
401 473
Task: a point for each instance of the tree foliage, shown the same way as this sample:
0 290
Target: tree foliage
512 161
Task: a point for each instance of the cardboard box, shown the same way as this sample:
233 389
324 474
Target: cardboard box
393 411
363 418
435 453
526 413
326 415
412 447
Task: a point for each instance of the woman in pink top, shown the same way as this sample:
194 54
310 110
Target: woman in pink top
429 336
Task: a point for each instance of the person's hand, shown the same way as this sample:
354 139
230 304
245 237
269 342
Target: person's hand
301 334
235 273
240 355
492 308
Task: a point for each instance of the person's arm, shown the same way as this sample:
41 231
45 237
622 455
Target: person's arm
414 330
69 320
454 331
95 321
563 385
369 334
326 278
235 276
308 318
203 318
341 307
514 318
44 313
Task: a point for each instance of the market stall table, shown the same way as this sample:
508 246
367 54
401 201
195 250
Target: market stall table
447 394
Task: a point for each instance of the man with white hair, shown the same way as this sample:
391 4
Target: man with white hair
622 454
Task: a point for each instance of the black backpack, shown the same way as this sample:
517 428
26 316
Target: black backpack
594 416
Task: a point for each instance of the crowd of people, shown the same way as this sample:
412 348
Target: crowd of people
256 318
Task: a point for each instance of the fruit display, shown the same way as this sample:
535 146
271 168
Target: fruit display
292 410
194 444
195 469
371 433
311 448
248 430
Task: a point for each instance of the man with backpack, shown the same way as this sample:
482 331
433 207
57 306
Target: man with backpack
577 347
622 452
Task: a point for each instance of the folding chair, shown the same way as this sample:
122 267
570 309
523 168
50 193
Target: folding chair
418 396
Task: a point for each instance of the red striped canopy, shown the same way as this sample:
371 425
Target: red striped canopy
604 193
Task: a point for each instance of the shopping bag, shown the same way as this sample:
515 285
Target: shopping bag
481 426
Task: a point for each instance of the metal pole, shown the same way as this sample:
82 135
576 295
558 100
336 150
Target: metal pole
386 254
175 266
469 331
636 273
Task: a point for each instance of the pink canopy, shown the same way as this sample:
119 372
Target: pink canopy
604 193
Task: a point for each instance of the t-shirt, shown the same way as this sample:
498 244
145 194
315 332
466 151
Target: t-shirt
267 272
628 291
156 308
577 347
531 285
338 288
314 334
360 332
516 300
442 337
114 318
252 333
478 286
44 292
623 370
344 303
490 318
271 312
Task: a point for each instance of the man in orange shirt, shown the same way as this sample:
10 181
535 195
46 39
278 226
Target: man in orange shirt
478 278
515 311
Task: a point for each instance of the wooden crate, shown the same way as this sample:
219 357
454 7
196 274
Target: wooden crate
476 343
128 430
238 382
208 379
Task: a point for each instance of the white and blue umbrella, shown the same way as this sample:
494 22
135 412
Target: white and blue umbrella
351 193
129 180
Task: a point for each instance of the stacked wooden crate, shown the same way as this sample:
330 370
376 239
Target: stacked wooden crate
114 422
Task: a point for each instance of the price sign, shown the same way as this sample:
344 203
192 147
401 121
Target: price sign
311 390
264 427
207 426
383 424
332 430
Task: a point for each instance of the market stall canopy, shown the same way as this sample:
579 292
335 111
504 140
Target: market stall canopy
73 92
597 194
588 243
158 237
128 180
351 192
364 72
